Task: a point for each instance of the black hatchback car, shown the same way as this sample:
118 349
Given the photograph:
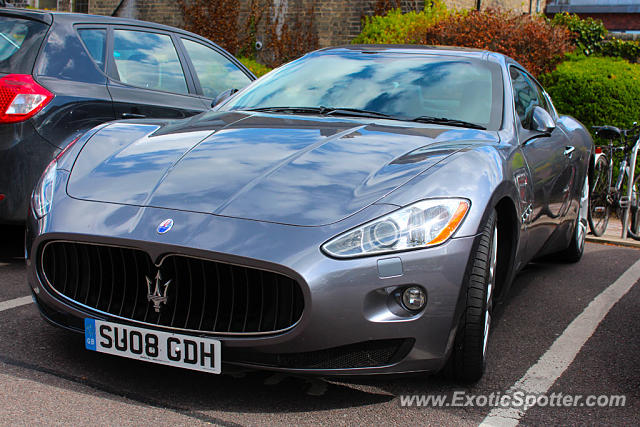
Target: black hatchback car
62 74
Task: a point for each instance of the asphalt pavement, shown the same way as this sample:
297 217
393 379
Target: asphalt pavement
46 376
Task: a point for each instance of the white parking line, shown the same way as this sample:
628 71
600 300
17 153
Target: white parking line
541 376
13 303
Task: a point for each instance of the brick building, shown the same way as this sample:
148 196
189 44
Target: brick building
336 21
617 15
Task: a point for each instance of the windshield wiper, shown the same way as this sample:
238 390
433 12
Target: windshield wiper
325 111
446 121
293 110
356 112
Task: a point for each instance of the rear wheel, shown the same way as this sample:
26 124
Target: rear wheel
574 252
634 211
599 197
468 359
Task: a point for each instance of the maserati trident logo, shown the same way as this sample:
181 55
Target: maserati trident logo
157 296
165 226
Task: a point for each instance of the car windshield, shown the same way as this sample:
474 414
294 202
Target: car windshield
429 88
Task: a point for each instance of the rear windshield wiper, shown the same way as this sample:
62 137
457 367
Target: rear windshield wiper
9 40
324 111
446 121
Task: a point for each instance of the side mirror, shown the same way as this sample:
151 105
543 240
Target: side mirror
222 96
541 120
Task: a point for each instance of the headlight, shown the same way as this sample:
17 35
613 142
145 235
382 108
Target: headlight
43 193
420 225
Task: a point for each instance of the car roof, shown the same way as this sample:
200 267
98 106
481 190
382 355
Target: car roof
412 49
84 18
467 52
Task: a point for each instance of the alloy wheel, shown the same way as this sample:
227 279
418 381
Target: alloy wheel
581 226
493 261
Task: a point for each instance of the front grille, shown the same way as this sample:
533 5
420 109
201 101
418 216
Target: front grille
202 295
366 354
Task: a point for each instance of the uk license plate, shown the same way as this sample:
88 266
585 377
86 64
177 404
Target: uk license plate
184 351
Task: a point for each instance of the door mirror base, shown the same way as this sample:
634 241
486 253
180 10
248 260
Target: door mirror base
222 96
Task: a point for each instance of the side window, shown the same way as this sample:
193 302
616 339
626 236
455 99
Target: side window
94 40
552 108
526 95
215 72
541 96
148 60
545 101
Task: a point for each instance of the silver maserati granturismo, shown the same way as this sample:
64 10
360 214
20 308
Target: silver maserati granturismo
357 211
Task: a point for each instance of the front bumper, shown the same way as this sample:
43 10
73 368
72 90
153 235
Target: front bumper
351 316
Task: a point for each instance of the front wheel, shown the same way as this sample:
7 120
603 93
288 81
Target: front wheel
599 197
468 359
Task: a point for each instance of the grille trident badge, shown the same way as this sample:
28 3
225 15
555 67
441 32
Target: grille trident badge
158 297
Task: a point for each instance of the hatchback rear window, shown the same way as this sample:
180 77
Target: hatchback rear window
19 43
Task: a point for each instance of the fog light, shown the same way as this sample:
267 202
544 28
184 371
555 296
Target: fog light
414 298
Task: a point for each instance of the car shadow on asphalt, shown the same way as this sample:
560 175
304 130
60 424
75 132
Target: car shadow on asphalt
11 242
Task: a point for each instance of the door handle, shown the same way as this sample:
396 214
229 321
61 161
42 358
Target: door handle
568 150
132 116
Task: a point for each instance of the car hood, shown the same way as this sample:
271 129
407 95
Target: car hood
297 170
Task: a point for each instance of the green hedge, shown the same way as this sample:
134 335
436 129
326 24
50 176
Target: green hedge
596 90
627 49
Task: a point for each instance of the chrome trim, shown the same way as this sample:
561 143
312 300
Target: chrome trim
41 274
568 151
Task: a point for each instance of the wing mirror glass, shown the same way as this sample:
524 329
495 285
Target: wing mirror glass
541 120
222 96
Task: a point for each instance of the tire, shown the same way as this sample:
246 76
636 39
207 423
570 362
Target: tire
598 199
576 247
468 359
634 211
634 214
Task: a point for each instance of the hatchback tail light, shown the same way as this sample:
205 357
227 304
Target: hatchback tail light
21 98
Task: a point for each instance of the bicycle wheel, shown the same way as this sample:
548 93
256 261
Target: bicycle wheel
634 211
598 199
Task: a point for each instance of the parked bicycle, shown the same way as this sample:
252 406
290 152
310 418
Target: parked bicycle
605 194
